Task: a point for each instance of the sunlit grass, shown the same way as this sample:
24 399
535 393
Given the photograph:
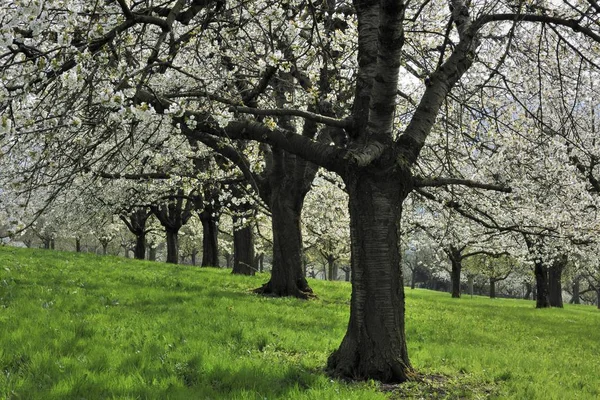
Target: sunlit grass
83 326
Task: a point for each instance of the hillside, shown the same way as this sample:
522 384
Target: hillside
83 326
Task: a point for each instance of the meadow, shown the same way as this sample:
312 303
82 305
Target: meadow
79 326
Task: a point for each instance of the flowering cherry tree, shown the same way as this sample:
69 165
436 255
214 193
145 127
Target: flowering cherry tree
356 89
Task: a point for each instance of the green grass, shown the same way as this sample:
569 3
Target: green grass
76 326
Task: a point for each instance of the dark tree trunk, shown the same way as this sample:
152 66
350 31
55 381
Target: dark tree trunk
413 277
78 245
52 244
374 346
541 281
47 244
243 251
152 254
173 214
172 246
575 299
136 223
210 241
331 268
555 282
194 254
347 273
104 248
528 290
492 288
456 260
140 246
598 298
287 274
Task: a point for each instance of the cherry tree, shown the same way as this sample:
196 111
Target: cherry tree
85 76
326 222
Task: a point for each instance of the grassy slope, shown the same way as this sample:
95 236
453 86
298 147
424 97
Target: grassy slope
82 326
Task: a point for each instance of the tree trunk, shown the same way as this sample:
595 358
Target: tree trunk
541 281
456 260
152 254
210 241
492 288
260 262
331 268
140 246
575 299
243 251
104 248
598 298
228 259
413 277
347 273
471 279
78 245
52 244
136 223
194 254
287 274
555 282
172 246
528 290
374 346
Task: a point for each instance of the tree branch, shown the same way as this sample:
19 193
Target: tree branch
335 122
548 19
437 182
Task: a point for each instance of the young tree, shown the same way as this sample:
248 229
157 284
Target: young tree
135 220
173 212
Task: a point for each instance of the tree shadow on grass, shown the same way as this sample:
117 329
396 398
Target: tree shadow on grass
218 383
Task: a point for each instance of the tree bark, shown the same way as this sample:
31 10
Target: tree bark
575 299
287 274
374 346
598 298
152 254
135 220
347 274
78 245
243 251
173 214
331 268
210 241
492 288
541 281
413 277
471 279
456 260
140 246
172 246
528 290
260 262
555 282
